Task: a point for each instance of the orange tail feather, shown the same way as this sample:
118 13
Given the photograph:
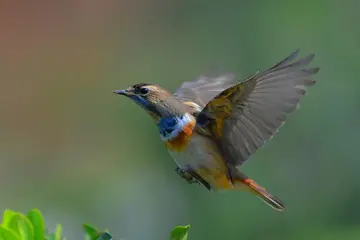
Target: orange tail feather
261 193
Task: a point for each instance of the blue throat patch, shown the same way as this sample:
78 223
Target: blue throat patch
167 125
170 127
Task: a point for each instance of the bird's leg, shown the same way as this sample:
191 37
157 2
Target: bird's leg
186 175
191 176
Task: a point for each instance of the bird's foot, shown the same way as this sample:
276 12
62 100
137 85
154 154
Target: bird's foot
185 174
191 176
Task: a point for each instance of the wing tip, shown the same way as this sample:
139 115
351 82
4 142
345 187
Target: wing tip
290 60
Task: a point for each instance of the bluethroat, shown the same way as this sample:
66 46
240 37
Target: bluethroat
212 125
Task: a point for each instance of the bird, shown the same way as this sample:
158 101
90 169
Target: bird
213 124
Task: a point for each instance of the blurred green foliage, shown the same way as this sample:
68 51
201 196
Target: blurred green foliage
180 233
16 226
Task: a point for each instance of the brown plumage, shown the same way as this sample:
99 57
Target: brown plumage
225 122
248 114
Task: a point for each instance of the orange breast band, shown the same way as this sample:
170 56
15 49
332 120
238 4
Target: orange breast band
180 142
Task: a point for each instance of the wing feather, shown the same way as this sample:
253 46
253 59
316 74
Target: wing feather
244 116
204 88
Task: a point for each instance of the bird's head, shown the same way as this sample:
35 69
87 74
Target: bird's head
158 102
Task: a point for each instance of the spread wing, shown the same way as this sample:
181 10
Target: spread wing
243 117
204 88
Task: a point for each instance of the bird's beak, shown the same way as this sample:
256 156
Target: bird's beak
123 92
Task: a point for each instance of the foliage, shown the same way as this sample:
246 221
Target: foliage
180 233
17 226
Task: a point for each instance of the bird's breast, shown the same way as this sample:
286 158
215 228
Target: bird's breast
189 148
176 131
180 142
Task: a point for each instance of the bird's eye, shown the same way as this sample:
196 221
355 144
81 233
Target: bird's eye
144 91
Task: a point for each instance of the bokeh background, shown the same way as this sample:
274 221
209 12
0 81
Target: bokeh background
71 148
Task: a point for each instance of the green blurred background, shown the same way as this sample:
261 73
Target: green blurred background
81 154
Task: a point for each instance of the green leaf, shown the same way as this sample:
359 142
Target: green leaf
58 232
20 224
105 236
180 233
37 221
26 229
91 231
7 216
8 234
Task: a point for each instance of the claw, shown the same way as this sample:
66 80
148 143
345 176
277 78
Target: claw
191 176
186 175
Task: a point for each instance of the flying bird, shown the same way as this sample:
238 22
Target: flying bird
212 125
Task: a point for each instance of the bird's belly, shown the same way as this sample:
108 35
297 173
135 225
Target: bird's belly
203 156
198 152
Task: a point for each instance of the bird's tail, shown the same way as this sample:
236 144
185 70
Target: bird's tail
258 191
264 195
